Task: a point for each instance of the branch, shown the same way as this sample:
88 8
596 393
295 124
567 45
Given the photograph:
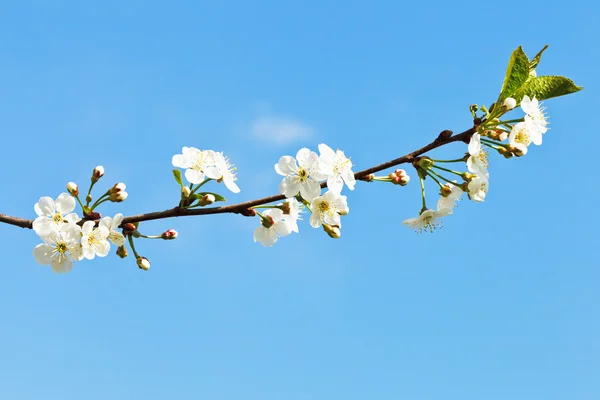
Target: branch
444 138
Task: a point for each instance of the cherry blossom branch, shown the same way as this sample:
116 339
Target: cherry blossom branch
445 137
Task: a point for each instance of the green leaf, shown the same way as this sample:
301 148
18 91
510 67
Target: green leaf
218 197
516 74
546 87
177 175
536 60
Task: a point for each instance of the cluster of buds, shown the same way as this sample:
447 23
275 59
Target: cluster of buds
117 193
399 177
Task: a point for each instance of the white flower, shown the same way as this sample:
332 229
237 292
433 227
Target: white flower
535 114
302 177
53 213
522 135
292 209
477 163
427 220
448 202
226 172
60 248
272 225
112 225
199 164
478 188
337 167
93 241
326 209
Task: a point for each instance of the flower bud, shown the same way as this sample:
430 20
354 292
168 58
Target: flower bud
185 192
143 263
122 251
516 151
129 228
97 173
73 189
170 234
118 197
206 200
119 187
509 103
369 178
332 230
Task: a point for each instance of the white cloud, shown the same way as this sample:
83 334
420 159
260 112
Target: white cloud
280 130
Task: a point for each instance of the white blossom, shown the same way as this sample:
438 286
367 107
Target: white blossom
53 213
337 167
291 213
448 202
535 114
477 162
94 240
272 226
112 225
226 172
427 220
522 135
302 176
61 247
198 164
478 188
326 209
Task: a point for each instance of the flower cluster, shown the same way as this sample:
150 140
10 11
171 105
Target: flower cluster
301 184
64 240
204 165
491 134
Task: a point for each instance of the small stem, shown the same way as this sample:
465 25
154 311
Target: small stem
80 203
510 121
447 170
200 185
423 194
135 253
450 161
101 200
89 193
444 178
150 237
266 206
432 176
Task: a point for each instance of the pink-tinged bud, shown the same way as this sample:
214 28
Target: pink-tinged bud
143 263
332 230
206 200
185 192
97 173
509 103
73 189
122 251
169 234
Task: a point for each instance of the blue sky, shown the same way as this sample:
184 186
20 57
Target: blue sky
499 304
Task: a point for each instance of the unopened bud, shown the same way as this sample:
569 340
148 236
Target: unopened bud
509 103
332 230
97 173
169 234
129 228
206 200
122 251
118 197
516 151
73 189
402 178
185 192
248 212
143 263
119 187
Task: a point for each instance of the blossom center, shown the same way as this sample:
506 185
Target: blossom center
199 162
61 247
483 157
302 174
522 137
57 218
